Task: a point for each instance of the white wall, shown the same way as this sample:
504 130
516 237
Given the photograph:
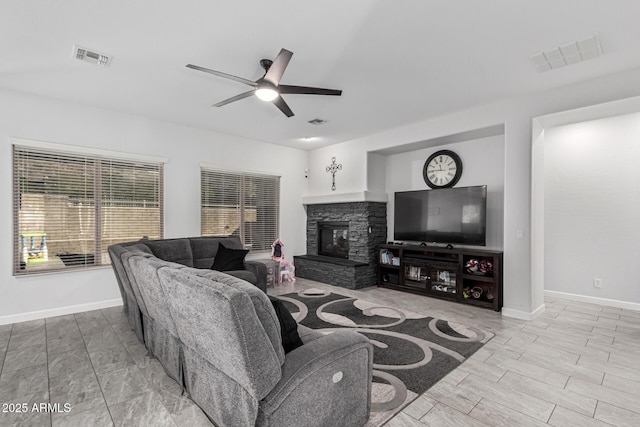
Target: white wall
376 172
352 178
34 118
591 203
520 299
404 173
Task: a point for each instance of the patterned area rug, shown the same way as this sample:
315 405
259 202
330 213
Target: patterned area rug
412 352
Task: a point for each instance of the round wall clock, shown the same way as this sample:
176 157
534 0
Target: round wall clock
442 169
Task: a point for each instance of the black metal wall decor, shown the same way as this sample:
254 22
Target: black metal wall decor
333 168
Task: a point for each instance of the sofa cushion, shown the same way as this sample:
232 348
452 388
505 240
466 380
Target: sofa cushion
228 259
204 249
172 250
165 344
125 257
264 309
247 275
140 247
145 271
307 334
129 297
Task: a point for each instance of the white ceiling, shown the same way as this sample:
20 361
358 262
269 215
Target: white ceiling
397 62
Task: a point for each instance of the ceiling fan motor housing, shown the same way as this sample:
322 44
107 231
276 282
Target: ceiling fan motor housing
266 64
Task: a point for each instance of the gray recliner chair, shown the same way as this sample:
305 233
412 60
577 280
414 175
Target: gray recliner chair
235 367
160 334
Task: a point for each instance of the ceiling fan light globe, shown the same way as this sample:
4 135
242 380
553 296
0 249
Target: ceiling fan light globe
266 93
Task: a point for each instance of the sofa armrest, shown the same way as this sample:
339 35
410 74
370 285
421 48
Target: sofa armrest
260 270
324 382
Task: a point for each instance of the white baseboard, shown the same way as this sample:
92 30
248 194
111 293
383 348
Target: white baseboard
59 311
523 315
594 300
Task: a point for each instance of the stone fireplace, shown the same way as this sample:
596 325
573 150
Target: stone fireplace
342 242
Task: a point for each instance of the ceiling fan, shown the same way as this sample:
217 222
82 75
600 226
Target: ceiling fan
268 87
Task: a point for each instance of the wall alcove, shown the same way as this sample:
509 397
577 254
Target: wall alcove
584 198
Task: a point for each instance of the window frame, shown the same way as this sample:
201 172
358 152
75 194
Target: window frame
97 158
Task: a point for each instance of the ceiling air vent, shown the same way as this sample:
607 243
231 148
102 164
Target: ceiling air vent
567 54
90 56
317 122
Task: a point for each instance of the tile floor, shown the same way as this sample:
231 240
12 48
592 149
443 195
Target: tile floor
576 365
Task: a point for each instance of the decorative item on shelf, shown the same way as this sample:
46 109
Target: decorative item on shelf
443 288
466 293
476 292
333 168
482 267
442 169
489 295
387 258
485 267
471 265
444 277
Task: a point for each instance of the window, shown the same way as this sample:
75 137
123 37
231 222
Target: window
240 204
70 206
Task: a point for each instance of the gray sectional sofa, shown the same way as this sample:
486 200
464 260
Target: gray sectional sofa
197 252
219 337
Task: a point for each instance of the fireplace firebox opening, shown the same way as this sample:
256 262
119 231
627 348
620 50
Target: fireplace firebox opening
333 239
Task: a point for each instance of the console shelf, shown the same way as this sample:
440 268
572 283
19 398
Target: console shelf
466 275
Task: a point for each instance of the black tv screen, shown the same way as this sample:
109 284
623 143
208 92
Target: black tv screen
448 215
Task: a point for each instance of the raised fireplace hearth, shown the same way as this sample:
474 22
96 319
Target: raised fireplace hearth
342 241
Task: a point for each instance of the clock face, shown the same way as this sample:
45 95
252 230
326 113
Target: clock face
442 169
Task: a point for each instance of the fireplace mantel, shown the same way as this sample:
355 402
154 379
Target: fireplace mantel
360 196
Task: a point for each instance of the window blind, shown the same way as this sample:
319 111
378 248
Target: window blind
69 207
240 204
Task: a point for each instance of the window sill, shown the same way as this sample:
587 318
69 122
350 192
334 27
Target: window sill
46 272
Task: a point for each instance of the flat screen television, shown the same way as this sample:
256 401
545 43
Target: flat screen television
447 215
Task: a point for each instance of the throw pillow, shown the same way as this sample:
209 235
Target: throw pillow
229 259
288 326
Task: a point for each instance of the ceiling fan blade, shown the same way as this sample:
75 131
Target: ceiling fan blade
235 98
279 102
308 90
221 74
276 70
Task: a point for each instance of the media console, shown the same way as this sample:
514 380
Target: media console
468 276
